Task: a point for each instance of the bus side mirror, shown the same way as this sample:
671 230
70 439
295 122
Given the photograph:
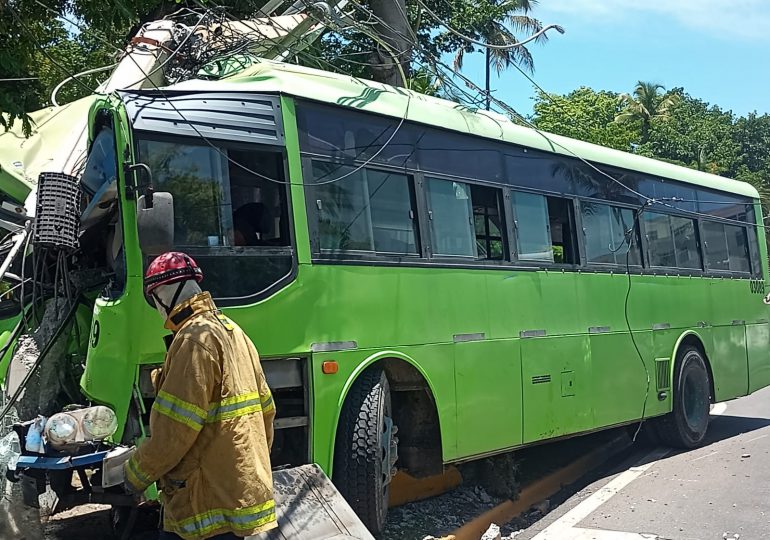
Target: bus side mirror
155 222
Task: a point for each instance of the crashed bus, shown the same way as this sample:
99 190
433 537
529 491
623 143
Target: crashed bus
427 284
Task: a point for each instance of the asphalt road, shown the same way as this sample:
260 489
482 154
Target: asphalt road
719 491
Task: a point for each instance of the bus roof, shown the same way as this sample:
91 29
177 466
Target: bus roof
361 94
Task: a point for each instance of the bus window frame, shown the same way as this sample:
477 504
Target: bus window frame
576 222
640 237
715 272
237 251
675 270
463 260
413 168
319 255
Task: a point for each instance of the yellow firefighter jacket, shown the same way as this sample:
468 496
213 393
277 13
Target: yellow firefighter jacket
211 429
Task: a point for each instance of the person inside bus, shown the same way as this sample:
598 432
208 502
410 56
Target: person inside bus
212 419
248 224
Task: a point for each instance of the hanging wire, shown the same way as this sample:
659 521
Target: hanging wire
435 62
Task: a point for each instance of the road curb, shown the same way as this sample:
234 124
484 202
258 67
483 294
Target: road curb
406 489
541 489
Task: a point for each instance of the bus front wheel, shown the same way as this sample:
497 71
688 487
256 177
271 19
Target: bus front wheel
685 426
365 450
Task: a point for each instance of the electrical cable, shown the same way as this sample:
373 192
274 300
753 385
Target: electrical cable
395 54
636 227
403 119
247 169
250 171
173 53
68 79
469 39
38 361
31 35
30 233
121 51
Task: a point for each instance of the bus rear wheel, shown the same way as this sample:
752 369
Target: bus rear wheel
685 426
366 448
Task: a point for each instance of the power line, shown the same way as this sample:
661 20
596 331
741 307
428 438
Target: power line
243 167
393 135
31 35
491 46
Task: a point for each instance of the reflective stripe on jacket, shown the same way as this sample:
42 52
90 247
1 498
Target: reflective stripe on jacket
211 427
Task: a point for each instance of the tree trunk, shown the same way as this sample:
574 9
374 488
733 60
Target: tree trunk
394 30
645 131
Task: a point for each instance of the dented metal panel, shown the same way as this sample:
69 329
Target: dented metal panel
309 506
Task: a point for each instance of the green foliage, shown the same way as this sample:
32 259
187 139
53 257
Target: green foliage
495 22
672 126
37 41
647 104
586 115
492 21
695 135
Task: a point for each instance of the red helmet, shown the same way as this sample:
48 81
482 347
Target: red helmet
171 267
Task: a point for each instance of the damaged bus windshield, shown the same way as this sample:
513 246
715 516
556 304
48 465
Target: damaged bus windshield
232 221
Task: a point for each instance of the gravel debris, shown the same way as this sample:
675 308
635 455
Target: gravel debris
437 516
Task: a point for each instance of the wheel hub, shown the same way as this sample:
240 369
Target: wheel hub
695 404
389 443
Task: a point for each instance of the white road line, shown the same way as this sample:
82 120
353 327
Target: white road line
704 457
718 408
757 438
560 529
598 534
565 528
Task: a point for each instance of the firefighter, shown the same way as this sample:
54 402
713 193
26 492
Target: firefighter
212 421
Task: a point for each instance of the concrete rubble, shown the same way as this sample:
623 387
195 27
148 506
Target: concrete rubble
16 519
492 533
40 396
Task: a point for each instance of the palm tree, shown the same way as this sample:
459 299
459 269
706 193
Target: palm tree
649 102
502 32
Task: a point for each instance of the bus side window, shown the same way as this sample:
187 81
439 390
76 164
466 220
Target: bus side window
672 241
533 242
561 219
726 247
365 210
545 228
608 230
450 212
487 222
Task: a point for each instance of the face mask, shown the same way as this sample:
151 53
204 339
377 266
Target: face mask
164 309
161 310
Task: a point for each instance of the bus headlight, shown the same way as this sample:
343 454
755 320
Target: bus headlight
99 423
61 430
71 429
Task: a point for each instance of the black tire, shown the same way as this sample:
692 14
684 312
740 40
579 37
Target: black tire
123 521
686 425
358 453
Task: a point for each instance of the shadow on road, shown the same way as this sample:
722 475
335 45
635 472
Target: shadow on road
725 427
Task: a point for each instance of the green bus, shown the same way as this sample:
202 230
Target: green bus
427 284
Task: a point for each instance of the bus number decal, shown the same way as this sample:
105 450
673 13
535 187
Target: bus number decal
757 286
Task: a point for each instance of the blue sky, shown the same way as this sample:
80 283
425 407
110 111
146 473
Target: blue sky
717 51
